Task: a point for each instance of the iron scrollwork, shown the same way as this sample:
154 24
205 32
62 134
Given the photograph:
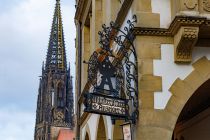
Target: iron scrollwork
117 47
92 66
132 83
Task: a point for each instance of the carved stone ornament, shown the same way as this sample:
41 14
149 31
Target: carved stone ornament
185 40
176 24
59 120
59 116
191 4
206 5
61 124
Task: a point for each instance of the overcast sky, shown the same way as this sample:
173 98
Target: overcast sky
24 35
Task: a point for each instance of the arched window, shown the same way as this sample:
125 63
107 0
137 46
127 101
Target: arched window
52 94
60 95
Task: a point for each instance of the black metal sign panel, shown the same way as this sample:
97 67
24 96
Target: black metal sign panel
106 105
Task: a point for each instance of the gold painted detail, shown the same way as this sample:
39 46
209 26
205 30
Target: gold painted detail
60 41
59 116
59 120
206 5
185 40
191 4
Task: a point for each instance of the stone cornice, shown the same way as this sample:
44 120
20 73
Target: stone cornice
186 32
173 28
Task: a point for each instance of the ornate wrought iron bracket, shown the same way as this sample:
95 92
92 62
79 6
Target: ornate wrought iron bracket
117 58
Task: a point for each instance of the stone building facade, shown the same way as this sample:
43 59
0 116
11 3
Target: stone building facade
55 104
172 40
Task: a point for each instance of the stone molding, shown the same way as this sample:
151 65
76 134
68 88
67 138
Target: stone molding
180 6
184 42
190 7
184 30
178 22
191 4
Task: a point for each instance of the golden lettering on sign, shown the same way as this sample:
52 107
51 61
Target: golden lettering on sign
190 4
109 105
206 5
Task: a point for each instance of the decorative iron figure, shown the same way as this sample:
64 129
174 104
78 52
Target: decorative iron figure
107 70
123 68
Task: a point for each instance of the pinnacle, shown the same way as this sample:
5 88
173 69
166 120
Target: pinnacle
56 56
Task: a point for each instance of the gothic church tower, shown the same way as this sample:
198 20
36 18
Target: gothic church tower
55 96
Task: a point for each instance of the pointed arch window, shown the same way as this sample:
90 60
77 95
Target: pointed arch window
52 94
60 95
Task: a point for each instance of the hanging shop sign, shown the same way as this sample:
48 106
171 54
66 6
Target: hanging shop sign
113 73
106 98
100 104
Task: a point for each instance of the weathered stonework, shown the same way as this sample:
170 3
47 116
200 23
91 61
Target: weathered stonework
143 5
176 24
185 32
184 7
190 5
184 42
180 7
205 5
148 50
159 124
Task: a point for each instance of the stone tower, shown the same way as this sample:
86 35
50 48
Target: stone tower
55 96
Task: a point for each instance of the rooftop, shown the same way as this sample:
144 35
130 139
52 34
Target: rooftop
66 134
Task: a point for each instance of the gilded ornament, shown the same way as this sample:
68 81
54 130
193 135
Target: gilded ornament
59 116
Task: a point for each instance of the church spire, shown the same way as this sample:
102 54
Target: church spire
56 57
55 105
